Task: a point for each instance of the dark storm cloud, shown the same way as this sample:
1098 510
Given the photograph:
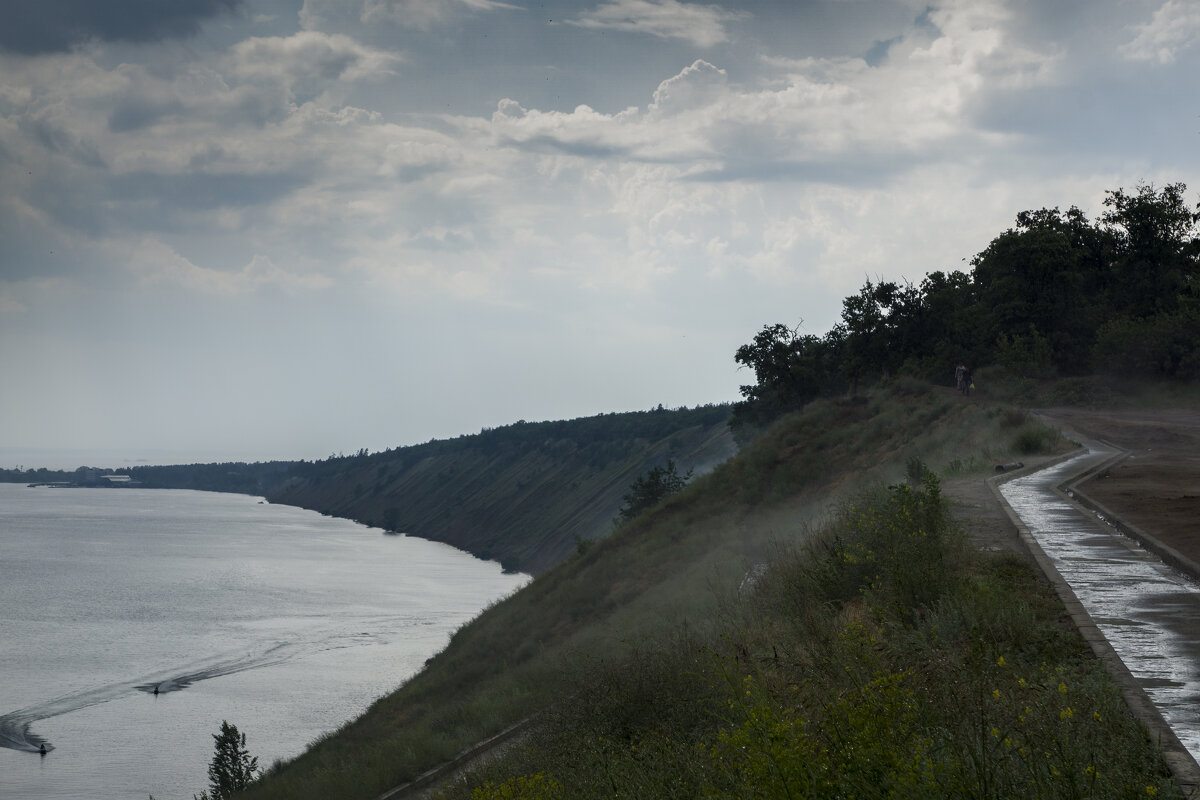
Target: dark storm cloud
33 27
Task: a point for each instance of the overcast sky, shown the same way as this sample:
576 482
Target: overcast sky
254 229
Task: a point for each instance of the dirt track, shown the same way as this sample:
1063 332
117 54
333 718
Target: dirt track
1157 488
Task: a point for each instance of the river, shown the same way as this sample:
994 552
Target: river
281 621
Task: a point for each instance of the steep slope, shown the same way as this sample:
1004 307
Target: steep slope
525 494
673 568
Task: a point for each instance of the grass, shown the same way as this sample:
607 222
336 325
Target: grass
882 659
659 600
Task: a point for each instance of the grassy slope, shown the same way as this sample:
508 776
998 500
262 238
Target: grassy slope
674 566
523 494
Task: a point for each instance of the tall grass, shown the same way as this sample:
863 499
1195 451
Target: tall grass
880 659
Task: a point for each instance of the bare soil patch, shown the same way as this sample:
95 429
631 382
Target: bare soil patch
1157 488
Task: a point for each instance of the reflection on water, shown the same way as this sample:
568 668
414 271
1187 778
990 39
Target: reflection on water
1148 611
284 622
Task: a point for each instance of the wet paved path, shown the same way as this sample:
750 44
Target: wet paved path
1148 612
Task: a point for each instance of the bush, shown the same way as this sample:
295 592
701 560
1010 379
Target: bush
883 660
650 489
1034 437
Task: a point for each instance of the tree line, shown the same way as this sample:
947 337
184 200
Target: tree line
1057 294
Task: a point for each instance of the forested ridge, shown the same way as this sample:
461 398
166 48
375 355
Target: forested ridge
526 494
1055 295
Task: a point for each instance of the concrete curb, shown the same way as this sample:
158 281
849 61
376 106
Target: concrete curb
1164 551
1182 764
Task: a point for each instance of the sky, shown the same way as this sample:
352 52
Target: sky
268 229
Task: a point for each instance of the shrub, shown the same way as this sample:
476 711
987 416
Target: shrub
1034 437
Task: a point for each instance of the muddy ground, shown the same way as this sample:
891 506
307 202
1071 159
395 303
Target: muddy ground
1157 488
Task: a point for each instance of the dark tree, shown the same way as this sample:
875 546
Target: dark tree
1157 252
790 369
649 489
232 768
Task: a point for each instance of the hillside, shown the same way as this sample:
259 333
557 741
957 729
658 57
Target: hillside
524 494
641 620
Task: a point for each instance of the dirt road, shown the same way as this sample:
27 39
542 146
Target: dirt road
1157 488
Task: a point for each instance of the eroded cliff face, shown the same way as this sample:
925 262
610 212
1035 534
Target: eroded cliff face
524 495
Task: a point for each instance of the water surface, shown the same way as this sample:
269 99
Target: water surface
277 619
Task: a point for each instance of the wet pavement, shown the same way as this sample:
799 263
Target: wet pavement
1148 611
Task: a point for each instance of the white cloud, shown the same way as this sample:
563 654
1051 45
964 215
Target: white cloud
701 25
1175 26
697 85
422 15
425 14
310 57
157 263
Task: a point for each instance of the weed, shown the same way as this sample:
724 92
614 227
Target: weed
1035 437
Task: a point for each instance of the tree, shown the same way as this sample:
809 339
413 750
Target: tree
649 489
1157 249
232 768
790 369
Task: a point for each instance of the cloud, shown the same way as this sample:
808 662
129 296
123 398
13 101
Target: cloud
308 61
701 25
33 27
157 263
1175 26
697 85
421 15
425 14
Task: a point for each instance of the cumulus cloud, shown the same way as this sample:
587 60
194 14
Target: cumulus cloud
697 85
46 26
707 177
701 25
1174 26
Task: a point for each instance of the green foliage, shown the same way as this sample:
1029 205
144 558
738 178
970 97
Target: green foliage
232 768
1056 294
1035 437
849 670
1028 355
1162 345
650 489
522 787
790 370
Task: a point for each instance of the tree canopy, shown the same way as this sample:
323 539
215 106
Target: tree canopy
651 488
1056 294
